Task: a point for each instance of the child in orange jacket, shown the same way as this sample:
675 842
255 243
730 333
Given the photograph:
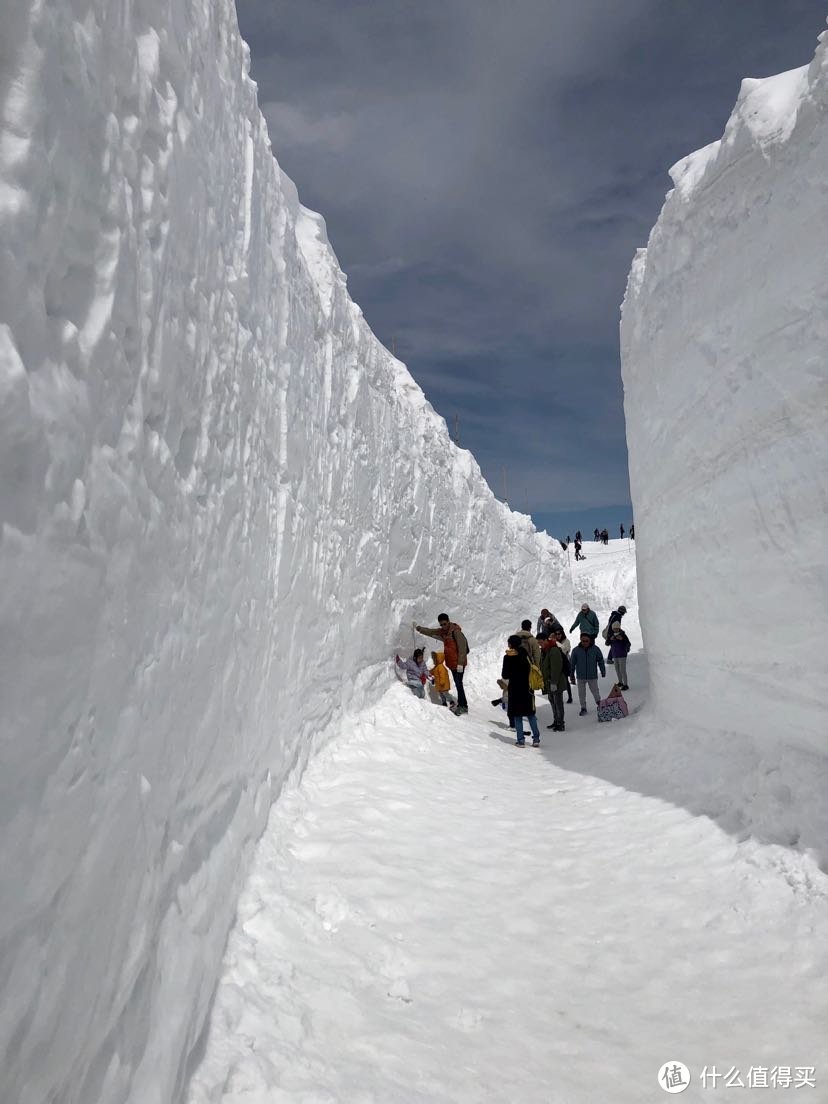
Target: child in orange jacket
442 682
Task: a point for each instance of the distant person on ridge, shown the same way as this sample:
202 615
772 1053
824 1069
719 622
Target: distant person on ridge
632 532
597 535
605 536
578 536
578 547
529 643
587 661
456 651
521 700
621 527
586 621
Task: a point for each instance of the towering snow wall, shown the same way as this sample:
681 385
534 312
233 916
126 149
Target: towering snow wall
220 499
725 350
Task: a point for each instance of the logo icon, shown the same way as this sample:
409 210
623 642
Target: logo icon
674 1077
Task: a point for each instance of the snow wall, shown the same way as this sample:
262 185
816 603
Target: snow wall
725 348
222 501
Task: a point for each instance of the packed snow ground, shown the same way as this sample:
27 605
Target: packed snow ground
435 915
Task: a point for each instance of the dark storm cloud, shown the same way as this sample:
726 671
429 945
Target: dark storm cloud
486 171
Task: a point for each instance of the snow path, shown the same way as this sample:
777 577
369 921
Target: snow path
435 915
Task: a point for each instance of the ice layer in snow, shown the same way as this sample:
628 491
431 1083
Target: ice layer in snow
724 339
222 501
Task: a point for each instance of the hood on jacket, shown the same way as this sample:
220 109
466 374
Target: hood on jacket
438 657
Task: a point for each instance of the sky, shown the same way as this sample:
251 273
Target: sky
486 171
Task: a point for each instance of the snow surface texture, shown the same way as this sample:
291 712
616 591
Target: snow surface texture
221 499
724 339
437 917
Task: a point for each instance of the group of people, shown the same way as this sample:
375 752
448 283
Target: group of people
601 536
544 660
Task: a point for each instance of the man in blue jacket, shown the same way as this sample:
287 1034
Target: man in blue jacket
586 661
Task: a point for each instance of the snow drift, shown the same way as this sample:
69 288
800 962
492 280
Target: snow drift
724 338
220 499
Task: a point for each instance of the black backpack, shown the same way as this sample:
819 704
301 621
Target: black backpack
565 666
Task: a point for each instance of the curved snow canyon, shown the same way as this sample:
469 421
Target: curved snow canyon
221 499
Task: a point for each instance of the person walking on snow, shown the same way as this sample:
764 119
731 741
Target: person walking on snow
552 667
597 535
619 649
632 532
544 616
415 672
566 648
578 547
587 661
521 700
586 621
622 531
529 643
455 649
440 677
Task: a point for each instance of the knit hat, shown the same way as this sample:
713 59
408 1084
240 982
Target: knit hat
622 609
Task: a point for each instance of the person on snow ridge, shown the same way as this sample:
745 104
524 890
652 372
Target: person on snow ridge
456 651
586 660
578 546
597 535
621 527
554 681
586 621
566 648
440 678
632 532
529 643
619 649
521 702
415 671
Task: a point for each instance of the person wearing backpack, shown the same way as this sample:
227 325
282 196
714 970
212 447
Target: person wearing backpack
521 700
614 616
529 643
456 650
554 668
619 649
586 661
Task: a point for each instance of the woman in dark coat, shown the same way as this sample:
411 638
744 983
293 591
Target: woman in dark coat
521 700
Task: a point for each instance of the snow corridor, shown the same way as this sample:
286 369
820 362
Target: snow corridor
435 915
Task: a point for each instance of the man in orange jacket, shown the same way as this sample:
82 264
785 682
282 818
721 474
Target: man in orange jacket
456 650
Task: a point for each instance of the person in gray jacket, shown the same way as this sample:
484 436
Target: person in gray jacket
586 661
586 621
